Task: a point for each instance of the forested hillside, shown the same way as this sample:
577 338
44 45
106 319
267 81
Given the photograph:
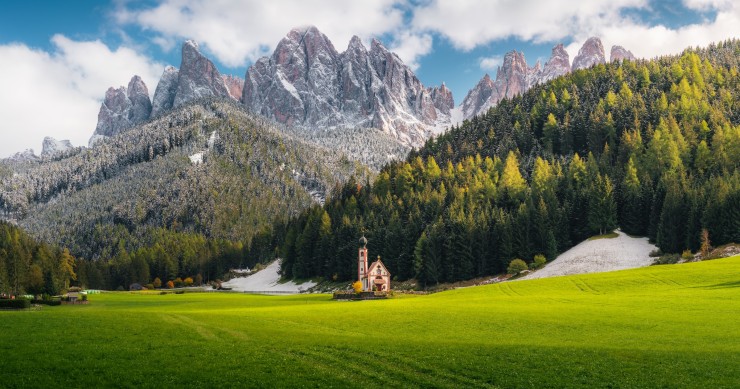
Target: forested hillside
649 146
178 196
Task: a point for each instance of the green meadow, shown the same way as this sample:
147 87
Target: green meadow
664 326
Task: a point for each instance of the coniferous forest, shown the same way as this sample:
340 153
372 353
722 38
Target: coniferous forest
651 147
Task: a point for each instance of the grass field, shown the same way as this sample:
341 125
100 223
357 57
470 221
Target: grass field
666 326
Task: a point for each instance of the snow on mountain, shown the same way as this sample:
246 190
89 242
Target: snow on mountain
52 146
619 53
590 54
308 83
122 109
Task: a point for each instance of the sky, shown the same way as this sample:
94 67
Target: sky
57 58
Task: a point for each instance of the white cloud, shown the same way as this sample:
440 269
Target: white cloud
468 24
237 32
410 47
705 5
652 41
491 63
59 93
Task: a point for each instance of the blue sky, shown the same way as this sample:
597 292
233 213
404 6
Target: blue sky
59 57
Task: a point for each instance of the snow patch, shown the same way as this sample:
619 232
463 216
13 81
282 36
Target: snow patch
600 255
288 86
266 280
196 158
212 139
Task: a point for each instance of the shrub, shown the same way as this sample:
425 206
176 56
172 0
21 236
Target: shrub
516 266
170 284
188 281
157 283
47 302
686 255
178 282
656 253
15 304
198 279
150 286
539 260
667 259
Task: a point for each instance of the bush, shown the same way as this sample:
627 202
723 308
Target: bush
539 260
516 266
656 253
188 281
667 259
686 255
51 303
178 282
170 284
157 283
15 304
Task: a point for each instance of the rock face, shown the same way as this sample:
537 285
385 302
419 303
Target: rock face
619 53
442 98
557 65
52 146
122 109
590 54
23 156
476 100
234 85
307 83
512 78
164 95
198 77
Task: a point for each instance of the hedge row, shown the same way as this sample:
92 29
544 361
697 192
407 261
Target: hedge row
47 302
15 304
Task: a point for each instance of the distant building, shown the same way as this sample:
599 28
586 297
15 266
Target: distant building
375 277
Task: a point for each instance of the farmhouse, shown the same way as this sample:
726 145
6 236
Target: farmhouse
376 277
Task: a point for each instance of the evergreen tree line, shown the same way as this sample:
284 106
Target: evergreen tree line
29 266
648 146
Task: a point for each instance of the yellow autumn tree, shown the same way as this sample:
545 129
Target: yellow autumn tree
357 286
511 179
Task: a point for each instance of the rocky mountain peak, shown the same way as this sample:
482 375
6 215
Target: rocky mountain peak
307 83
442 98
590 54
23 156
356 44
619 53
122 109
164 95
198 77
477 98
141 105
557 65
52 146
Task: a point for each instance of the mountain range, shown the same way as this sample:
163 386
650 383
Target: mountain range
307 84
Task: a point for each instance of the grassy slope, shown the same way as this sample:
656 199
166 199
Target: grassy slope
667 326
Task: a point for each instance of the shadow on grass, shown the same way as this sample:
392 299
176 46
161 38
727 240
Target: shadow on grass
725 285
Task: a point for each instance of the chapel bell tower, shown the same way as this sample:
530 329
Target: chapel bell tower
362 264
